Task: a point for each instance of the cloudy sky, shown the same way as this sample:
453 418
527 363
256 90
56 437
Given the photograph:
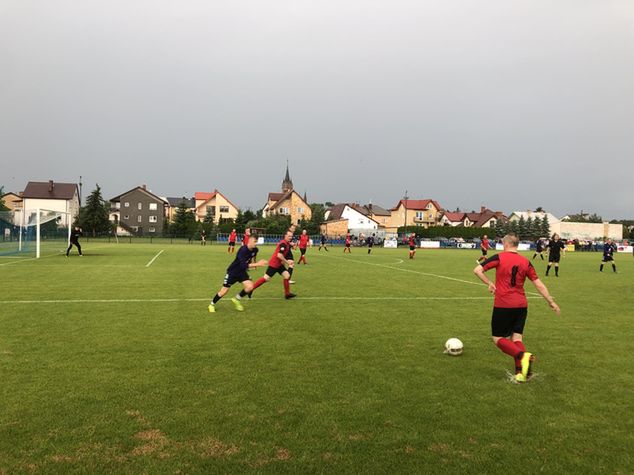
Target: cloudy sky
509 104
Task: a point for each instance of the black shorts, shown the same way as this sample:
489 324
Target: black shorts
271 271
412 248
552 258
232 243
607 259
302 250
506 321
231 279
370 245
347 244
484 252
323 243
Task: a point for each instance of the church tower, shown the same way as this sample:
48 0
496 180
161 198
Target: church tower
287 184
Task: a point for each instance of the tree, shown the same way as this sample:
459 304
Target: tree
529 228
329 204
209 216
184 223
545 231
539 209
3 207
94 216
513 227
536 231
521 228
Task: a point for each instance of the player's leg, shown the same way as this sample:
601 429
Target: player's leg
613 265
78 248
601 266
503 322
70 246
550 263
286 275
557 269
221 293
247 288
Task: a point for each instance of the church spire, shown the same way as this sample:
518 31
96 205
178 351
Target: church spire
287 184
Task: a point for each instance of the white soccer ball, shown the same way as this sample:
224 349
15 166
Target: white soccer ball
454 347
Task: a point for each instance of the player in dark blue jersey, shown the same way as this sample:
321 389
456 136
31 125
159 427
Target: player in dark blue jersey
370 242
238 272
539 249
609 248
323 242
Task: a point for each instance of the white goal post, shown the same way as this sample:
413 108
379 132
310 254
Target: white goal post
39 217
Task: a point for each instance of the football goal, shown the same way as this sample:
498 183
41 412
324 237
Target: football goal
34 232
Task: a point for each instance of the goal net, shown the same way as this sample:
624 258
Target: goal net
33 233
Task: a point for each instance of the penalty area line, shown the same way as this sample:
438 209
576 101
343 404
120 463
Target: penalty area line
176 300
154 258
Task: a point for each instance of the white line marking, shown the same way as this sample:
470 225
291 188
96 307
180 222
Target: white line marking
154 258
255 299
418 272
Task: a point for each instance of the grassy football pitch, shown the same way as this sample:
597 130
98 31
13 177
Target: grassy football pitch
108 365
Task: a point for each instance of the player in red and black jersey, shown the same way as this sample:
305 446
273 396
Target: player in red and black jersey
280 263
245 238
348 243
555 246
510 307
304 241
412 245
485 245
232 241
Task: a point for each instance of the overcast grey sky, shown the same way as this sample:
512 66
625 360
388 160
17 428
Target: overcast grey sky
510 104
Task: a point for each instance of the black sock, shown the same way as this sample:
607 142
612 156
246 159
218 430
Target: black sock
216 298
547 269
242 293
614 267
534 255
601 268
541 257
556 270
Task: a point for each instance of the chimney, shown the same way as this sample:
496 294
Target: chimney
483 209
144 186
51 185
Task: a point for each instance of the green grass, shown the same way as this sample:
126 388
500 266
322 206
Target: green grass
158 385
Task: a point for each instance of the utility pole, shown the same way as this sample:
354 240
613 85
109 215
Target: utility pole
405 198
80 185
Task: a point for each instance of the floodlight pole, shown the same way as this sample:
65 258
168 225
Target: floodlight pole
37 237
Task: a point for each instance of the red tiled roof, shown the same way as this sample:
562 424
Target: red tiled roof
203 195
417 204
454 216
276 196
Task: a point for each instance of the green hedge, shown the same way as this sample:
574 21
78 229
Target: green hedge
446 231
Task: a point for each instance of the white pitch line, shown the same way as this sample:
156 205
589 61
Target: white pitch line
175 300
154 258
418 272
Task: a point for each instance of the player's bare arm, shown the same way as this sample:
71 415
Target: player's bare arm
479 272
543 291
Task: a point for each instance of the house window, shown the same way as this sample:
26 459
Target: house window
140 206
126 216
153 219
152 229
117 205
139 219
224 209
429 205
284 211
300 210
210 210
419 215
153 207
431 216
126 204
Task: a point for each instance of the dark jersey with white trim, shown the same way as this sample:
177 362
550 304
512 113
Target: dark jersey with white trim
608 251
244 257
75 235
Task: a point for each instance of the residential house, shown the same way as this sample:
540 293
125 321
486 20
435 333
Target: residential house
139 211
13 201
53 196
356 220
175 203
215 205
453 218
381 215
423 213
288 203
